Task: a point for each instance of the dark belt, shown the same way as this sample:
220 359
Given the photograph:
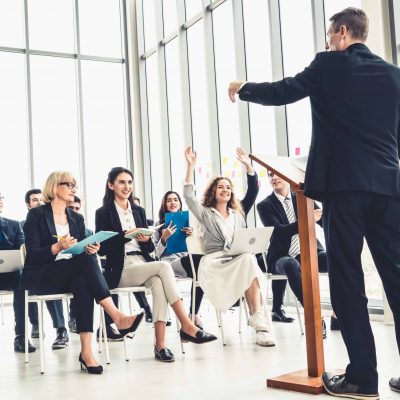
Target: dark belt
134 253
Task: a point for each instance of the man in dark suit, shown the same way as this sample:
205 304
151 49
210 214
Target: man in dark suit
11 238
353 167
33 199
279 210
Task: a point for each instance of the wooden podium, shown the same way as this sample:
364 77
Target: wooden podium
308 380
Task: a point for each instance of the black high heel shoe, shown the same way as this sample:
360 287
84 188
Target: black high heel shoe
97 370
200 338
134 326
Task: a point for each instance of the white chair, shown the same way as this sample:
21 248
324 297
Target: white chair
2 294
194 245
40 299
103 331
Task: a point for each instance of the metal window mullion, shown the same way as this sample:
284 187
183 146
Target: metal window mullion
282 141
163 104
243 106
81 133
394 22
31 171
126 88
185 71
12 50
212 93
319 29
146 164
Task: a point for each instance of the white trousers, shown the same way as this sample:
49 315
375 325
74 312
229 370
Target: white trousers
158 276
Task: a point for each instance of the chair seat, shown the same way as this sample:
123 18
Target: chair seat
44 297
130 289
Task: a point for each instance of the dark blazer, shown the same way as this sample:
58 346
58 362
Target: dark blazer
355 104
107 219
272 213
13 234
39 229
251 193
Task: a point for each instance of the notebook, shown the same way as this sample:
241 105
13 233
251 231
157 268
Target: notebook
79 248
143 231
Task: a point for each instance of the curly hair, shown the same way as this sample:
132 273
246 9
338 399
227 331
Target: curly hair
209 199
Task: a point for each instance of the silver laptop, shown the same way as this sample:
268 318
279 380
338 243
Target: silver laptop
250 240
10 261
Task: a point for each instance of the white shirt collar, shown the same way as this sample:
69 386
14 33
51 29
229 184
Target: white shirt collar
282 198
119 209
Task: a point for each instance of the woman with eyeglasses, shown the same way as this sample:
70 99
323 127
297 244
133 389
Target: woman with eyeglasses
129 262
49 230
180 263
223 279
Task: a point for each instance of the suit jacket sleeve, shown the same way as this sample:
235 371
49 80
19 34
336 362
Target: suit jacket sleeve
38 254
251 193
286 91
19 236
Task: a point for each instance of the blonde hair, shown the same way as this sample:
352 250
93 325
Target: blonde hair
52 182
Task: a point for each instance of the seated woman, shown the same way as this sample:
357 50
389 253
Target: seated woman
48 271
130 264
171 202
220 214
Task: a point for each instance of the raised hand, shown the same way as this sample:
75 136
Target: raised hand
168 232
191 157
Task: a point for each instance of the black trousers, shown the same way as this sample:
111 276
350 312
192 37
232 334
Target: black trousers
348 217
185 261
82 277
10 281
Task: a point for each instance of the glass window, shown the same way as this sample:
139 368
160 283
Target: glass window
259 69
12 23
170 16
175 114
298 52
100 28
199 105
193 7
104 127
225 68
150 29
157 134
55 32
54 117
14 160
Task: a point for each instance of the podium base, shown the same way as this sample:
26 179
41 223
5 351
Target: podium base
298 381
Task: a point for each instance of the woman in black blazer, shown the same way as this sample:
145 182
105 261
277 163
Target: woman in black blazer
130 264
51 228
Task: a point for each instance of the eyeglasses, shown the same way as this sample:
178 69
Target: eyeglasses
71 186
73 208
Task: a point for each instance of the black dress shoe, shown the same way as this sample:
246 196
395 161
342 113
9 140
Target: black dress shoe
97 370
164 355
62 339
19 345
394 384
148 315
334 324
200 338
168 323
280 316
35 331
339 386
112 335
134 325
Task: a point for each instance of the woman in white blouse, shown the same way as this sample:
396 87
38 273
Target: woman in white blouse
129 262
220 214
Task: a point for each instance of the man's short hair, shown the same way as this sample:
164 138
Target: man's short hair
355 20
77 199
29 193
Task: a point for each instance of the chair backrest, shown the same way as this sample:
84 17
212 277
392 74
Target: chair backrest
194 242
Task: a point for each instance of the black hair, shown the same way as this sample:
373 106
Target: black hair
29 193
77 199
111 178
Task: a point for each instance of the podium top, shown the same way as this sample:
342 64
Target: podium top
290 169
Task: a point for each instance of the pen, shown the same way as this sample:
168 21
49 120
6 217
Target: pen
59 237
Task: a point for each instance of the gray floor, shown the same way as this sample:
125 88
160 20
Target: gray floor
237 371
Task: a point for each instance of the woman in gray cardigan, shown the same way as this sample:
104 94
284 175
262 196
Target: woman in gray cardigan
220 214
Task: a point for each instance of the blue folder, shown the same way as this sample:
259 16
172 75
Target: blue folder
80 247
177 242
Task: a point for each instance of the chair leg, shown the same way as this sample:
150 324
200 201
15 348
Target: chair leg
41 345
178 324
221 325
240 314
246 311
2 310
26 327
103 328
298 316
